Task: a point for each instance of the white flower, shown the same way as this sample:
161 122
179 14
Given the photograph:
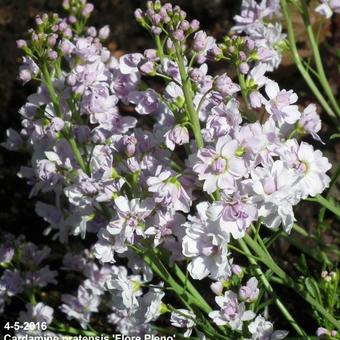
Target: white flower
249 292
207 246
168 190
183 318
131 218
125 287
275 192
279 105
310 165
261 329
232 312
219 167
233 213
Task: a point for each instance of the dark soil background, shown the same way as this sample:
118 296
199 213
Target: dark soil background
17 16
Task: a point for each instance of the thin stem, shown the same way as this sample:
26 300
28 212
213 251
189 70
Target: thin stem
298 62
270 263
187 91
160 50
318 61
270 289
326 203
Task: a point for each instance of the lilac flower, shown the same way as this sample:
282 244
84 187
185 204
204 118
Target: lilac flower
206 244
97 102
280 103
220 167
14 140
249 292
128 63
232 312
38 313
223 119
11 282
168 190
28 69
327 7
165 226
6 253
147 102
73 262
81 306
310 122
131 218
225 85
97 277
177 135
183 318
234 214
261 329
41 277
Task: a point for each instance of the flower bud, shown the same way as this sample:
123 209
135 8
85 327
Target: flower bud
71 79
104 32
52 55
92 32
148 68
200 41
21 43
150 54
87 10
244 68
217 287
255 99
156 30
66 46
185 25
72 19
237 270
195 25
25 75
129 144
139 15
178 35
52 40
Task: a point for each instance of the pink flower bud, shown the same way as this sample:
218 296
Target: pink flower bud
21 43
236 269
104 32
178 35
217 287
92 32
195 25
87 10
244 68
53 55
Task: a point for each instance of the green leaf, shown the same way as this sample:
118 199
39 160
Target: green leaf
313 288
334 136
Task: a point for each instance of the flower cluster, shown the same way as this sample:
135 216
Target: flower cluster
183 171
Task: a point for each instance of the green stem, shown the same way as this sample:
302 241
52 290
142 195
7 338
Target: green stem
326 203
318 61
241 79
187 91
299 64
159 46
